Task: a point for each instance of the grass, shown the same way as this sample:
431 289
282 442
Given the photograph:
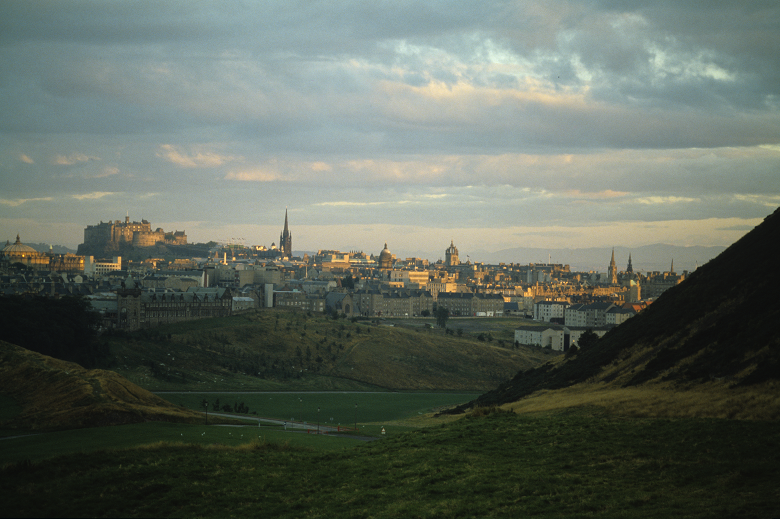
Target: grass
567 464
10 408
37 447
712 400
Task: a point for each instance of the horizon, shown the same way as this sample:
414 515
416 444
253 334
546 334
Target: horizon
499 125
583 259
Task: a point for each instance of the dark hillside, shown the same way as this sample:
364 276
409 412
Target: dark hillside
719 324
57 394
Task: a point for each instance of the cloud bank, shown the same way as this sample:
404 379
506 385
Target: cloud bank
524 123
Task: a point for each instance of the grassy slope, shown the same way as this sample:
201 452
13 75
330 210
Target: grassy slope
501 465
276 349
53 393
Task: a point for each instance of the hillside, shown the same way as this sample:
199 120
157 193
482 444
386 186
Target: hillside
717 327
293 350
54 393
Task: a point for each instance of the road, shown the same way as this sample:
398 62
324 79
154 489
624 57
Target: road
308 427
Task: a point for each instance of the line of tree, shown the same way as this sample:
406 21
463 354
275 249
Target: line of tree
64 328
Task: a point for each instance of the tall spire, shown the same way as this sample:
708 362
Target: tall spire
629 268
671 269
612 271
285 239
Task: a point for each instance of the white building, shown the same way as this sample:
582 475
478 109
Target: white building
93 267
549 310
543 336
616 315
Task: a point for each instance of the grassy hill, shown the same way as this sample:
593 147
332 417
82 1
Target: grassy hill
562 465
41 392
714 335
278 349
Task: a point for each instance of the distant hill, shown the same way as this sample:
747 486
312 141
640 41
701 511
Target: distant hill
719 325
59 394
647 258
46 247
276 349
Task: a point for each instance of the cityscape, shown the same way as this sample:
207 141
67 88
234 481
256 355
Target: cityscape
509 258
122 269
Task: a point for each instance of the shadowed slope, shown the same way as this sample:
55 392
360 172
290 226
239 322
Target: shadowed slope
720 324
56 393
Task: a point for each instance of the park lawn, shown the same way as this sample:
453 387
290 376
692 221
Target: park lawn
37 447
566 464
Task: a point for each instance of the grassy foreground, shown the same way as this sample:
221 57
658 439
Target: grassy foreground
569 464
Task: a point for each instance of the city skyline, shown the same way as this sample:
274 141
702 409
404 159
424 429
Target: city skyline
499 125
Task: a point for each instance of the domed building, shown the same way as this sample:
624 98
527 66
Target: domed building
24 254
385 259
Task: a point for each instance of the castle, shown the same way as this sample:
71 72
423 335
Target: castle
113 235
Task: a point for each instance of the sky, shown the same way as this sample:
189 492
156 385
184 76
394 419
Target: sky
495 124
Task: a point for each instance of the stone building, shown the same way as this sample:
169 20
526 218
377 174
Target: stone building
385 259
137 309
451 255
24 254
29 257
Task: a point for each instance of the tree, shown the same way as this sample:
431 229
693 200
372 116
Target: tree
348 282
442 314
587 339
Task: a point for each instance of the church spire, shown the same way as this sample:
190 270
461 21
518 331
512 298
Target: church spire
612 269
285 239
629 268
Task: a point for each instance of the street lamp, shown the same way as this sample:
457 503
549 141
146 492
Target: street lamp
356 417
318 420
207 412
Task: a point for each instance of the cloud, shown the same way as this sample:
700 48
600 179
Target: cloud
254 175
453 115
658 200
199 159
20 201
93 196
72 159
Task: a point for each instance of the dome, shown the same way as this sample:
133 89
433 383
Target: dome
18 249
385 258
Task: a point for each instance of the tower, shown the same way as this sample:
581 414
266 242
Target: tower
451 255
285 239
612 269
629 269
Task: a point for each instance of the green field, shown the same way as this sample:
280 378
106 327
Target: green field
337 408
374 411
568 464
